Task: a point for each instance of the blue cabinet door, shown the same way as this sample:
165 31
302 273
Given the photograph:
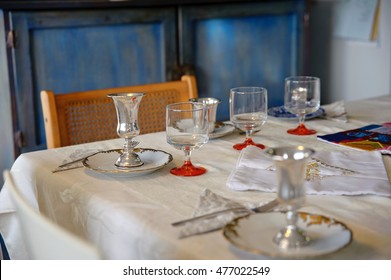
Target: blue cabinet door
253 44
69 51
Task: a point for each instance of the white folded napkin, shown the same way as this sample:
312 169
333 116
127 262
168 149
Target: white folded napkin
328 173
336 111
210 202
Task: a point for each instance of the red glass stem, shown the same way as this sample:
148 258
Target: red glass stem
248 142
301 129
187 169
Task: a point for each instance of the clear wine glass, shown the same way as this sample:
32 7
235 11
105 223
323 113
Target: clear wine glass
126 105
187 130
248 112
291 164
302 96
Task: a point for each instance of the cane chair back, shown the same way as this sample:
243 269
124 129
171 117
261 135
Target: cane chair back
88 116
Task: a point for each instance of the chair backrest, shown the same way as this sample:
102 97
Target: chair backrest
88 116
44 239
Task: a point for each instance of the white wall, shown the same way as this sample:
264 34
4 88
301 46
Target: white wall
349 69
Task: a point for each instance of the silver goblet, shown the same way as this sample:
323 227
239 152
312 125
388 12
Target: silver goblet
126 105
291 163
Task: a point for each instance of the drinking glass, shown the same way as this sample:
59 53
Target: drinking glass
302 96
248 112
126 105
291 164
187 130
212 104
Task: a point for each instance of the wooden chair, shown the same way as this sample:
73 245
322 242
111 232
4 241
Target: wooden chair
44 239
81 117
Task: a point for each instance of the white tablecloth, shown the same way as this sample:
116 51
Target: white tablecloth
130 218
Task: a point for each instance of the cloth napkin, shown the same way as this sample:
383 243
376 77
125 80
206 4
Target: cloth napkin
210 202
335 111
328 173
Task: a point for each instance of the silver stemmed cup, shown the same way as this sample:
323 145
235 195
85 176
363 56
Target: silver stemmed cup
291 163
126 105
212 104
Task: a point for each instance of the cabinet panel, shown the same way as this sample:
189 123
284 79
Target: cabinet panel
79 50
7 152
253 44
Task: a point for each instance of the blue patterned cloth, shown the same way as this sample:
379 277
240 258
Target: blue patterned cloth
281 112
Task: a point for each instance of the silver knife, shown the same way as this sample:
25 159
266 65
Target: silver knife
77 160
264 208
137 150
68 165
135 143
66 169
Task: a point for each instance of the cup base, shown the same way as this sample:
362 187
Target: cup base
291 237
188 169
128 160
125 166
248 142
301 130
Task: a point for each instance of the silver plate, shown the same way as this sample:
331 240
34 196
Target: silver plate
221 129
103 162
255 234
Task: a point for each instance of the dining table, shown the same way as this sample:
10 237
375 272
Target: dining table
130 217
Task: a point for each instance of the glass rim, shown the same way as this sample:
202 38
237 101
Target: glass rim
248 89
287 152
131 94
198 99
302 78
170 107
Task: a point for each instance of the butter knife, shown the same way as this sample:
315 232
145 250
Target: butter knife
263 208
77 160
137 150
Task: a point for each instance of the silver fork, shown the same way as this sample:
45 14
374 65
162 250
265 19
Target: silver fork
263 208
58 169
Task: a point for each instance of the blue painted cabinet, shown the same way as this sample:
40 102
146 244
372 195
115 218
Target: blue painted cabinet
69 51
224 44
257 44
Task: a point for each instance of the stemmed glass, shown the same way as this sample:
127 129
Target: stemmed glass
187 130
212 104
248 112
291 164
302 96
126 105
